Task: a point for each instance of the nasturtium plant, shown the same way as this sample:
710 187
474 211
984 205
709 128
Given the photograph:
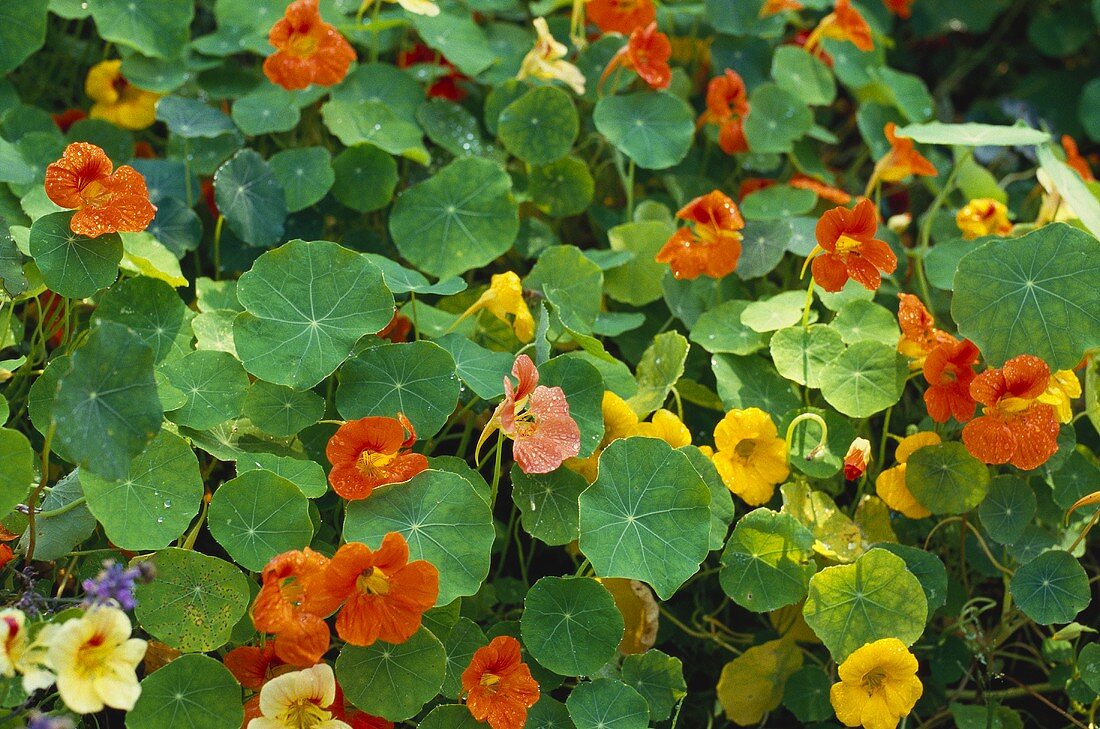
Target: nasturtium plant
556 364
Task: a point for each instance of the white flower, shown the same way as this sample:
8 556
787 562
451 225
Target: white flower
299 700
544 61
95 660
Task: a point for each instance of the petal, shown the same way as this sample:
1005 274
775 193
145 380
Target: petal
879 255
989 439
1026 376
861 271
988 387
349 484
829 272
81 164
848 702
891 488
1036 432
830 226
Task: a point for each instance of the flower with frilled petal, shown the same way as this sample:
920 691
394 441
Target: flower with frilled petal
503 299
749 455
369 452
290 605
106 200
307 49
118 101
949 370
727 107
95 659
299 700
902 160
878 685
983 216
845 23
498 685
546 60
711 242
620 16
857 458
890 484
847 248
1063 389
646 53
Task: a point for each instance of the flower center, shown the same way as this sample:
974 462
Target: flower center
846 244
374 582
373 464
304 714
303 45
745 448
490 680
94 193
1014 405
92 656
291 590
873 680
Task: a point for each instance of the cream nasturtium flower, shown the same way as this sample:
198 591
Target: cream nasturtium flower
878 685
95 660
299 700
545 61
18 654
416 7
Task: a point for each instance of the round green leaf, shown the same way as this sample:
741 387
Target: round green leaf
414 378
803 75
282 411
443 519
776 312
194 601
1052 588
158 29
463 640
859 321
927 568
192 692
752 382
69 525
16 468
721 500
607 703
192 119
549 714
1035 294
768 561
776 119
155 501
946 479
719 330
806 694
659 678
778 202
571 282
571 625
865 379
213 384
1088 663
540 126
268 109
547 503
72 265
453 128
106 408
762 247
461 218
1088 108
1007 509
373 122
874 597
481 369
306 305
801 354
258 515
307 475
942 260
365 178
393 681
653 129
176 226
561 188
583 387
646 517
305 174
450 716
22 31
250 197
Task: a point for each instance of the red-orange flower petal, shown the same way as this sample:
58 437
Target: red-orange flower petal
105 201
367 453
849 249
251 665
949 370
1015 427
819 188
903 159
1075 160
620 16
386 594
498 685
713 246
648 51
726 96
290 606
852 25
900 8
307 49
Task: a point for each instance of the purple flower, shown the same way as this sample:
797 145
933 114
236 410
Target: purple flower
42 721
115 584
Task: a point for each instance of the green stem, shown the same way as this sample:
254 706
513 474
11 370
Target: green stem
496 470
809 303
925 234
62 509
629 184
218 246
32 532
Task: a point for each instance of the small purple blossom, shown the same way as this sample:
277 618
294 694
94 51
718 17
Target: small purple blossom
115 584
42 721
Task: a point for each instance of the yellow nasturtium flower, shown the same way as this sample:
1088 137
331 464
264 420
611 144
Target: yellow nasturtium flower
750 456
983 216
878 685
1064 387
95 660
117 100
504 298
890 484
19 654
546 61
667 427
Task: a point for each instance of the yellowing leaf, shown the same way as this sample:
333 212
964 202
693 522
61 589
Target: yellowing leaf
639 608
873 519
836 536
146 256
752 684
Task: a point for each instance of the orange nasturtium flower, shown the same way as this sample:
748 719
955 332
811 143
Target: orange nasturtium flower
291 605
772 7
370 452
983 216
878 685
919 336
949 370
498 685
844 24
901 161
253 666
620 16
846 248
537 420
307 49
546 60
749 455
890 484
857 458
118 101
901 8
727 107
106 200
711 243
502 299
1075 160
646 53
1015 426
825 192
384 594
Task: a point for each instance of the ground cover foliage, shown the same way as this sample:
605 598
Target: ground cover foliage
592 364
